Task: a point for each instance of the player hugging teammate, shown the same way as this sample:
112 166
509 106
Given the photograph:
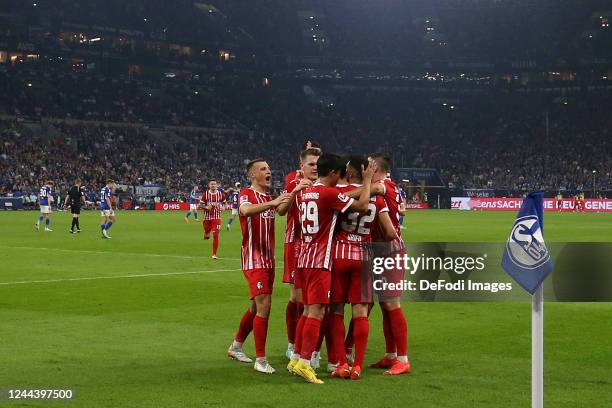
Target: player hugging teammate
336 208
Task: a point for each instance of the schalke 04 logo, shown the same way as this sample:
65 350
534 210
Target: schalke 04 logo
526 245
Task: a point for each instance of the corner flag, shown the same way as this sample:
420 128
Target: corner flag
527 260
526 257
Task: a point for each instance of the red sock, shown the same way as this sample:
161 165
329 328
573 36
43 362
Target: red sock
260 333
400 330
322 332
362 330
215 242
312 330
299 334
337 332
204 226
246 325
328 324
349 342
291 319
388 332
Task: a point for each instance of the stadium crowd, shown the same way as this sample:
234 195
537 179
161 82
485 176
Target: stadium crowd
491 138
130 155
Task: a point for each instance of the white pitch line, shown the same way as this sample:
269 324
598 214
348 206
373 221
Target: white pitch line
145 275
114 253
116 277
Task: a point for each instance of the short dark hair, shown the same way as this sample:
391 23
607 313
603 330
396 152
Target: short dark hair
309 152
211 180
355 162
329 162
109 181
250 164
382 160
313 144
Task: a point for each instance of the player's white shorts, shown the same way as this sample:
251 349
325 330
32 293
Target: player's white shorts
107 213
45 209
193 207
234 211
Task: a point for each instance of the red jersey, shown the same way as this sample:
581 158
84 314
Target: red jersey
393 198
216 200
319 206
257 232
292 230
355 229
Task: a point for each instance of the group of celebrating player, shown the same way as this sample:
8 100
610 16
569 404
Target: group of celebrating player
337 210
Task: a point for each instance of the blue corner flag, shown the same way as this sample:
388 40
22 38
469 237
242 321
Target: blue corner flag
526 257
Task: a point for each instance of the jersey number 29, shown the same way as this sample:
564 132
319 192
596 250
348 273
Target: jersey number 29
309 214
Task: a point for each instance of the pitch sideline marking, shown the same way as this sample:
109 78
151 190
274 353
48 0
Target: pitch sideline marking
145 275
114 253
117 277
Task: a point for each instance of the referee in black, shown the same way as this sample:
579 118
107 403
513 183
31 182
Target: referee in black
76 197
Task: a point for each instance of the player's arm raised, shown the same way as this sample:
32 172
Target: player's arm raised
361 205
283 208
375 189
248 209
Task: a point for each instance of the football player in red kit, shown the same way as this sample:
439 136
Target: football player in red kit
212 201
319 206
308 171
351 281
395 327
257 210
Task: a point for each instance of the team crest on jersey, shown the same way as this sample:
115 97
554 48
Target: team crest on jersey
525 245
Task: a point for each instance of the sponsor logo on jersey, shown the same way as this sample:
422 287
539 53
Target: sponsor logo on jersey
268 213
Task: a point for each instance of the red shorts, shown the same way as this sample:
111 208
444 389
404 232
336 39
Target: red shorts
290 263
351 282
395 275
212 225
261 281
297 281
316 286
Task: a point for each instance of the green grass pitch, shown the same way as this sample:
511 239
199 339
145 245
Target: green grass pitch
144 320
